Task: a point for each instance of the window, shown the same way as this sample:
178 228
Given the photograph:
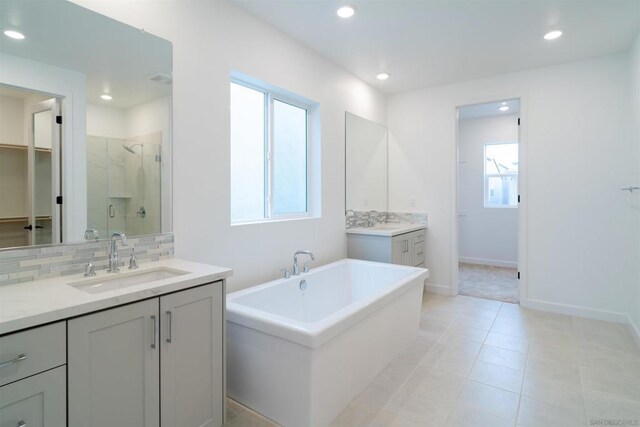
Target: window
269 155
501 175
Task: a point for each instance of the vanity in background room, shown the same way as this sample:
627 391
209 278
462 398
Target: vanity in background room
374 233
85 152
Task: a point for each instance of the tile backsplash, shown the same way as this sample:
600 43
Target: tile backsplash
364 218
27 264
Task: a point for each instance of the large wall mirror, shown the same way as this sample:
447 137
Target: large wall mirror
366 164
85 126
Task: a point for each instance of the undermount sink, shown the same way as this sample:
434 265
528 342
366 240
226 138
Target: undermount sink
122 280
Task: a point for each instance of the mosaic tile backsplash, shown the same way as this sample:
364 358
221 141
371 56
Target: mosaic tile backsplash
355 219
27 264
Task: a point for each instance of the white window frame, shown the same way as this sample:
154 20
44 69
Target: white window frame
272 94
486 176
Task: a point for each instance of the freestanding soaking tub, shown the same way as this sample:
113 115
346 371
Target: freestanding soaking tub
300 349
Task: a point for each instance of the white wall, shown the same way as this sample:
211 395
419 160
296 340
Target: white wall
210 39
485 235
581 250
634 68
107 122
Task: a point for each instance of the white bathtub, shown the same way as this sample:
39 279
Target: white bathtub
300 356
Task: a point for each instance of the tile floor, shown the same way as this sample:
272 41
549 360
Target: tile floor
482 363
485 281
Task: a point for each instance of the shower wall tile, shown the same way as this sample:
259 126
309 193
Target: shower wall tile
24 265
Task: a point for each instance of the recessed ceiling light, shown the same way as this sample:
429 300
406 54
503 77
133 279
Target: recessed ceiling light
552 35
504 103
346 11
504 108
106 97
14 35
382 76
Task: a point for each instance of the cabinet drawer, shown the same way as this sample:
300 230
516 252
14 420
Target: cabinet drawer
26 353
418 236
37 401
418 253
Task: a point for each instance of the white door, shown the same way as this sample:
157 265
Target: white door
36 401
44 173
192 387
114 367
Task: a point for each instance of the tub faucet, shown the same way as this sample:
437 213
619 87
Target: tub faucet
113 256
296 266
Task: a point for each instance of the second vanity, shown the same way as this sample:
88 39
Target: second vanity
141 347
388 242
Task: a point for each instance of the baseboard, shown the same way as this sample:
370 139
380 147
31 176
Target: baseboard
635 329
437 289
492 262
576 310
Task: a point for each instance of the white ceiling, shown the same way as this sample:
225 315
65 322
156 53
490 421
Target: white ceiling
489 109
115 57
424 43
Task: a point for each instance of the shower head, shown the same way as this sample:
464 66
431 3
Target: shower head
129 148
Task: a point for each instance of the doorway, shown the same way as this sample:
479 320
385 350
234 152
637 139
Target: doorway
29 168
487 196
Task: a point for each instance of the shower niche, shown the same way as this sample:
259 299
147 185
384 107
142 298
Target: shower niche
124 184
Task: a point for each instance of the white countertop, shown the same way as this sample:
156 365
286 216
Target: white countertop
387 229
29 304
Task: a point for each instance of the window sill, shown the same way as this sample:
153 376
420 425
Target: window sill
274 220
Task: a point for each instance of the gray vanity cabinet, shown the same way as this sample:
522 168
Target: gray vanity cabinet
33 377
404 249
150 363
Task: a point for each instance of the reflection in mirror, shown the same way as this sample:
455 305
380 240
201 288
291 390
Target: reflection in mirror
366 165
85 126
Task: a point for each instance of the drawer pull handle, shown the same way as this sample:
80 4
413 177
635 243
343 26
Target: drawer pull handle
169 322
12 362
155 332
22 424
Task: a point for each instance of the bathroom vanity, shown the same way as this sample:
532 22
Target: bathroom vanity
388 242
138 348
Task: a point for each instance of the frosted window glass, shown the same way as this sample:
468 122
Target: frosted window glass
501 175
289 158
247 153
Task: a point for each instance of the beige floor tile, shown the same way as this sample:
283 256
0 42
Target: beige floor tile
556 393
596 381
493 400
561 351
554 370
356 415
515 330
507 342
601 406
420 411
434 386
233 409
497 376
390 419
249 418
502 357
554 323
535 413
484 313
465 416
455 363
466 332
465 347
473 322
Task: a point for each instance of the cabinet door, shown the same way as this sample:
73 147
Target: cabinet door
35 401
402 252
113 362
192 357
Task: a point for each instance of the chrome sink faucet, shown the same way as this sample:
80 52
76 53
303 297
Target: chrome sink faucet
113 256
296 266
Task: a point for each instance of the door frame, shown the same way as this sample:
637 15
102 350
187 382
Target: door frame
522 192
52 104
